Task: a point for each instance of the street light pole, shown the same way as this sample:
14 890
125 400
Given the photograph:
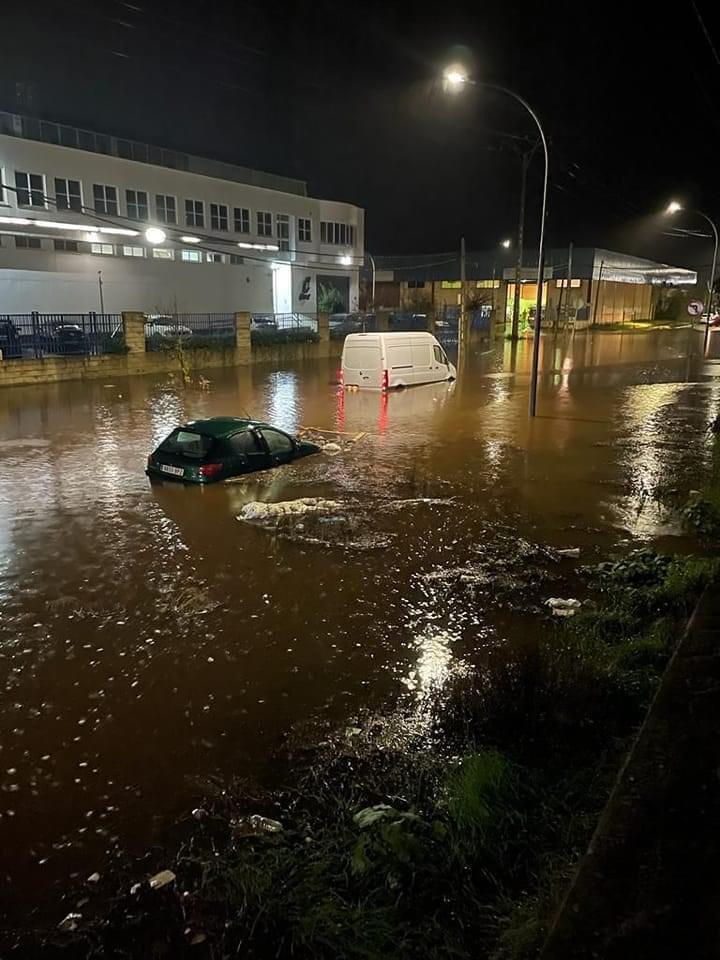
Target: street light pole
372 264
456 78
675 207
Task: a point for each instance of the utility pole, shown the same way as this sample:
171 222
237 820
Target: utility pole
567 287
100 289
461 321
515 329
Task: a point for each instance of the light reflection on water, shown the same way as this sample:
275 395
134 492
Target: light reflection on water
147 639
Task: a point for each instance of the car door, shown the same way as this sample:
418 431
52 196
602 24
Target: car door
280 447
247 453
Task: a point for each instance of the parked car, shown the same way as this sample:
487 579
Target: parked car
165 326
263 323
67 339
381 361
10 343
204 451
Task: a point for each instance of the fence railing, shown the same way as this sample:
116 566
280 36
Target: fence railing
268 328
164 330
25 336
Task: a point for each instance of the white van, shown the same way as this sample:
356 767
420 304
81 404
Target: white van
381 361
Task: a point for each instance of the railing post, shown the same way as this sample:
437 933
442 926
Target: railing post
93 339
34 316
243 345
134 331
324 334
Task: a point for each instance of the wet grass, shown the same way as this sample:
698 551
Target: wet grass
457 846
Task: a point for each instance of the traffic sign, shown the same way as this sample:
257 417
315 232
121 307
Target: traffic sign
695 308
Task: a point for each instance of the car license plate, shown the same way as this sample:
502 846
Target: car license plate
173 471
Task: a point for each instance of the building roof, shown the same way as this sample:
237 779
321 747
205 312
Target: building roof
30 128
587 263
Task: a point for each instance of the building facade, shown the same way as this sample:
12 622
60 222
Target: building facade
90 222
584 285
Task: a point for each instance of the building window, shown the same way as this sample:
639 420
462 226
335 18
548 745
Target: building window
264 224
450 285
30 189
304 230
137 204
106 249
162 253
216 258
218 216
562 284
415 284
105 199
282 228
28 243
66 246
237 259
67 194
488 284
194 213
191 256
340 234
241 216
133 251
165 208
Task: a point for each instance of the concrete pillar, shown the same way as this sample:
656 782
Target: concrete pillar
324 333
383 320
134 331
243 346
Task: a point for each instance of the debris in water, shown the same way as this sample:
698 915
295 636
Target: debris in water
563 608
161 879
426 501
93 878
199 813
254 826
70 923
332 448
569 552
259 511
135 888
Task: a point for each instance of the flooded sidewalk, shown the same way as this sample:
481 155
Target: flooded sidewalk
152 646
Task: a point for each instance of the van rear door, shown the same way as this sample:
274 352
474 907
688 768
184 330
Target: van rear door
362 362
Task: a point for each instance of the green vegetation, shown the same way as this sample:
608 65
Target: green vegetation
457 843
329 299
271 337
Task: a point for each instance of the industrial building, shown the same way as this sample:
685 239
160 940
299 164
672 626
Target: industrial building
91 222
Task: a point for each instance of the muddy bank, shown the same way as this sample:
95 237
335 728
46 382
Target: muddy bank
437 830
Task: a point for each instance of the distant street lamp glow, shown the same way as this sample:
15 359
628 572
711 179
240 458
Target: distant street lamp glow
346 261
507 244
455 77
190 239
674 207
155 235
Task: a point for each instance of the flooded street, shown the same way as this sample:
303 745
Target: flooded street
151 642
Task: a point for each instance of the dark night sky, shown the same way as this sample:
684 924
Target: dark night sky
346 96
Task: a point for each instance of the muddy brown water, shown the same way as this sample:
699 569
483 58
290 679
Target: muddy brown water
149 641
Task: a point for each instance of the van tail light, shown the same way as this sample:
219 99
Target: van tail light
210 470
341 377
385 380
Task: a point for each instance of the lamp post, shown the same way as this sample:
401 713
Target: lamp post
456 79
675 207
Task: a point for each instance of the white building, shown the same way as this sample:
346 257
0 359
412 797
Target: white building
78 207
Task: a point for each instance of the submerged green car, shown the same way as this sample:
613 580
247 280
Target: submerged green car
204 451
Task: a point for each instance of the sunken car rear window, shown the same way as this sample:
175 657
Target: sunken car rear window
185 443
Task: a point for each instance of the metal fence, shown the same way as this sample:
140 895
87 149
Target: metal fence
34 335
163 331
268 328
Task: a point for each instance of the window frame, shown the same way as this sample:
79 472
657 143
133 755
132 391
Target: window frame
105 187
217 217
264 223
191 213
132 246
63 241
29 190
102 252
163 253
242 216
162 217
27 242
68 197
191 256
304 229
135 203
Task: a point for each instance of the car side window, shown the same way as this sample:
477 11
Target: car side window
278 443
245 443
439 355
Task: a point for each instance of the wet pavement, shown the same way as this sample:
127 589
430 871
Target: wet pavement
150 643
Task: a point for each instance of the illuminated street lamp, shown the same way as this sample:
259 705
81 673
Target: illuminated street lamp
506 244
675 207
455 80
155 235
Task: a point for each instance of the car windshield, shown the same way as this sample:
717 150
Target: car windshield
186 443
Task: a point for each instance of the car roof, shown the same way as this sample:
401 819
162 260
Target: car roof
220 427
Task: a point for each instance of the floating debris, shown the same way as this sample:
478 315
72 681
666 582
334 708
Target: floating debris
70 923
161 879
569 552
257 511
254 826
563 608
